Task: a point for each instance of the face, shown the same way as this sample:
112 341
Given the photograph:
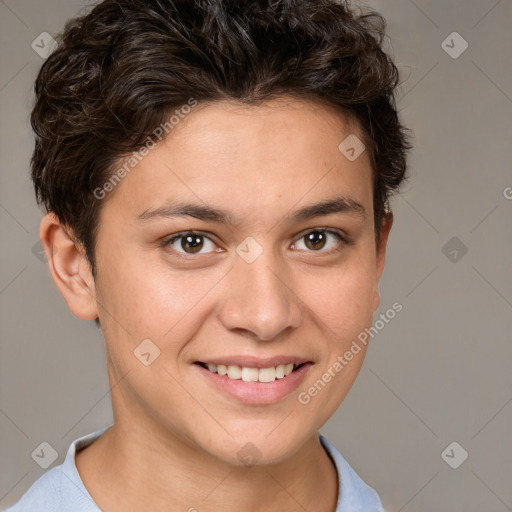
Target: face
243 243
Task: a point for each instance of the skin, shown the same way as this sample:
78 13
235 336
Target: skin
175 437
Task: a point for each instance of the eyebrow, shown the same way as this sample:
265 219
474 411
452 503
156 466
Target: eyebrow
344 205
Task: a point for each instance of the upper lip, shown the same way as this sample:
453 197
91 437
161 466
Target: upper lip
255 362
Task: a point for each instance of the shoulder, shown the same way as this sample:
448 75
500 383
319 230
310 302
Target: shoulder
354 494
54 492
44 495
60 489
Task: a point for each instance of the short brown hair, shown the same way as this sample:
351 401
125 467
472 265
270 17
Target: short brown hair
119 71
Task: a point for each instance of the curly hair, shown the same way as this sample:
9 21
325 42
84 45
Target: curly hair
119 71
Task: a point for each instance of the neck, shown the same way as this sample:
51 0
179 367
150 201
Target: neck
127 469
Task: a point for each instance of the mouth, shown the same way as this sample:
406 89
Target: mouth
252 374
254 381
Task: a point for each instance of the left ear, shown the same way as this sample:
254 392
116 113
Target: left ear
387 222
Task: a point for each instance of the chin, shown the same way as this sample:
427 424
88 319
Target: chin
256 446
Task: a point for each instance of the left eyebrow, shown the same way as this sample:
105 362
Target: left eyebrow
341 204
328 207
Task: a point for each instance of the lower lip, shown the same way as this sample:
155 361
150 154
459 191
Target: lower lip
257 393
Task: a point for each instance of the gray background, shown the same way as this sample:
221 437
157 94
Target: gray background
439 372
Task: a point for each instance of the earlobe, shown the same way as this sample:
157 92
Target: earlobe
69 267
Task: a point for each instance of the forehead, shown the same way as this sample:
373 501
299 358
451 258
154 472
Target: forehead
226 153
287 127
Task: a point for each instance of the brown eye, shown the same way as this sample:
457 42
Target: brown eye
191 243
319 240
315 240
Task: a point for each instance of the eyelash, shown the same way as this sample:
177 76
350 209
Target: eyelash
344 241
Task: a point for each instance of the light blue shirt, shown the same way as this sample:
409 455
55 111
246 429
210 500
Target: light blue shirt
61 489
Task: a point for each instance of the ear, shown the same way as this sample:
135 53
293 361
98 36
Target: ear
69 267
387 222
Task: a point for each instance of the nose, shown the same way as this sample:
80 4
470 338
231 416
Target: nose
260 300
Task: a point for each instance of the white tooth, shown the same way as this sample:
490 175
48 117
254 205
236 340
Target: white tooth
249 374
288 369
267 374
234 372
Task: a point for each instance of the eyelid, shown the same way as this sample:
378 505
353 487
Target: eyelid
337 232
182 234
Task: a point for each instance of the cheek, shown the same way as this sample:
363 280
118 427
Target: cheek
142 301
341 306
342 301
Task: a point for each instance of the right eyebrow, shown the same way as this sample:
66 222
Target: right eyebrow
198 211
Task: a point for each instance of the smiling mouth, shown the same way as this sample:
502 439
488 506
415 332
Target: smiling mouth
248 374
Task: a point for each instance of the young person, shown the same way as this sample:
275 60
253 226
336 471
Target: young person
215 175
